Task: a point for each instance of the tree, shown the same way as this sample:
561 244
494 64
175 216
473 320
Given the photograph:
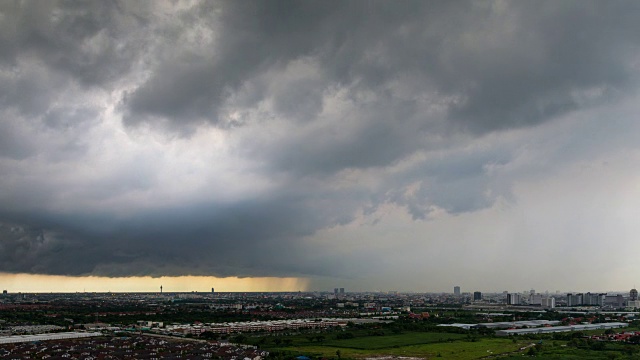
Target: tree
209 335
240 338
311 338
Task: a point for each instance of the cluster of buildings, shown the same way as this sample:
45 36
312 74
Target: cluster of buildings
251 326
534 299
604 300
613 301
626 336
137 347
338 293
31 329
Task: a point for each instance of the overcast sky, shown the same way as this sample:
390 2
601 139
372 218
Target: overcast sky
398 145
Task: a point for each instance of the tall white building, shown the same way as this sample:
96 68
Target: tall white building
535 299
593 299
548 302
574 299
513 299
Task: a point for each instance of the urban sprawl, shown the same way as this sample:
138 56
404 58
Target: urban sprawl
241 326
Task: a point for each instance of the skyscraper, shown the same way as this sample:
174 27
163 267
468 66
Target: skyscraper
477 295
456 290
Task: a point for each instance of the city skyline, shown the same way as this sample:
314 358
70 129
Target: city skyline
29 283
408 146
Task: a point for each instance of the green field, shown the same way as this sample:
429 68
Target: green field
459 349
454 350
445 345
390 341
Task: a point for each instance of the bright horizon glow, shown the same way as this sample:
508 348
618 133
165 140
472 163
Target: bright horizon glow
30 283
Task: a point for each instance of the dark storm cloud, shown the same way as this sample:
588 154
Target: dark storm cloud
510 67
259 237
308 92
253 36
87 40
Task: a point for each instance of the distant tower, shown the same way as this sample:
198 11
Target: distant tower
212 291
160 289
456 290
633 295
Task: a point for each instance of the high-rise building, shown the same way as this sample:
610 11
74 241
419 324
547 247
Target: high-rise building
548 302
633 302
535 299
593 299
341 291
513 299
212 290
456 290
588 299
335 291
615 301
477 295
574 299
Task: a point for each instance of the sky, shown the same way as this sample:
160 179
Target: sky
307 145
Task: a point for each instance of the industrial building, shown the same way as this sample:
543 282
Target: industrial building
506 324
45 337
553 329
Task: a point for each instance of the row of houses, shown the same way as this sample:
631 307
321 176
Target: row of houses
138 347
618 337
251 326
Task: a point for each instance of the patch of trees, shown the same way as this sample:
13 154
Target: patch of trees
345 335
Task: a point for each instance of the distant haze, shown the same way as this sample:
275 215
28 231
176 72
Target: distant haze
370 145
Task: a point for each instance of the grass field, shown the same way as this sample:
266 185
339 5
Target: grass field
432 345
389 341
459 350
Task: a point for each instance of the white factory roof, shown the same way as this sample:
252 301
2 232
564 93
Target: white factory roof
553 329
45 337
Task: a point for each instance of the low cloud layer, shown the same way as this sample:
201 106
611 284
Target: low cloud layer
245 138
